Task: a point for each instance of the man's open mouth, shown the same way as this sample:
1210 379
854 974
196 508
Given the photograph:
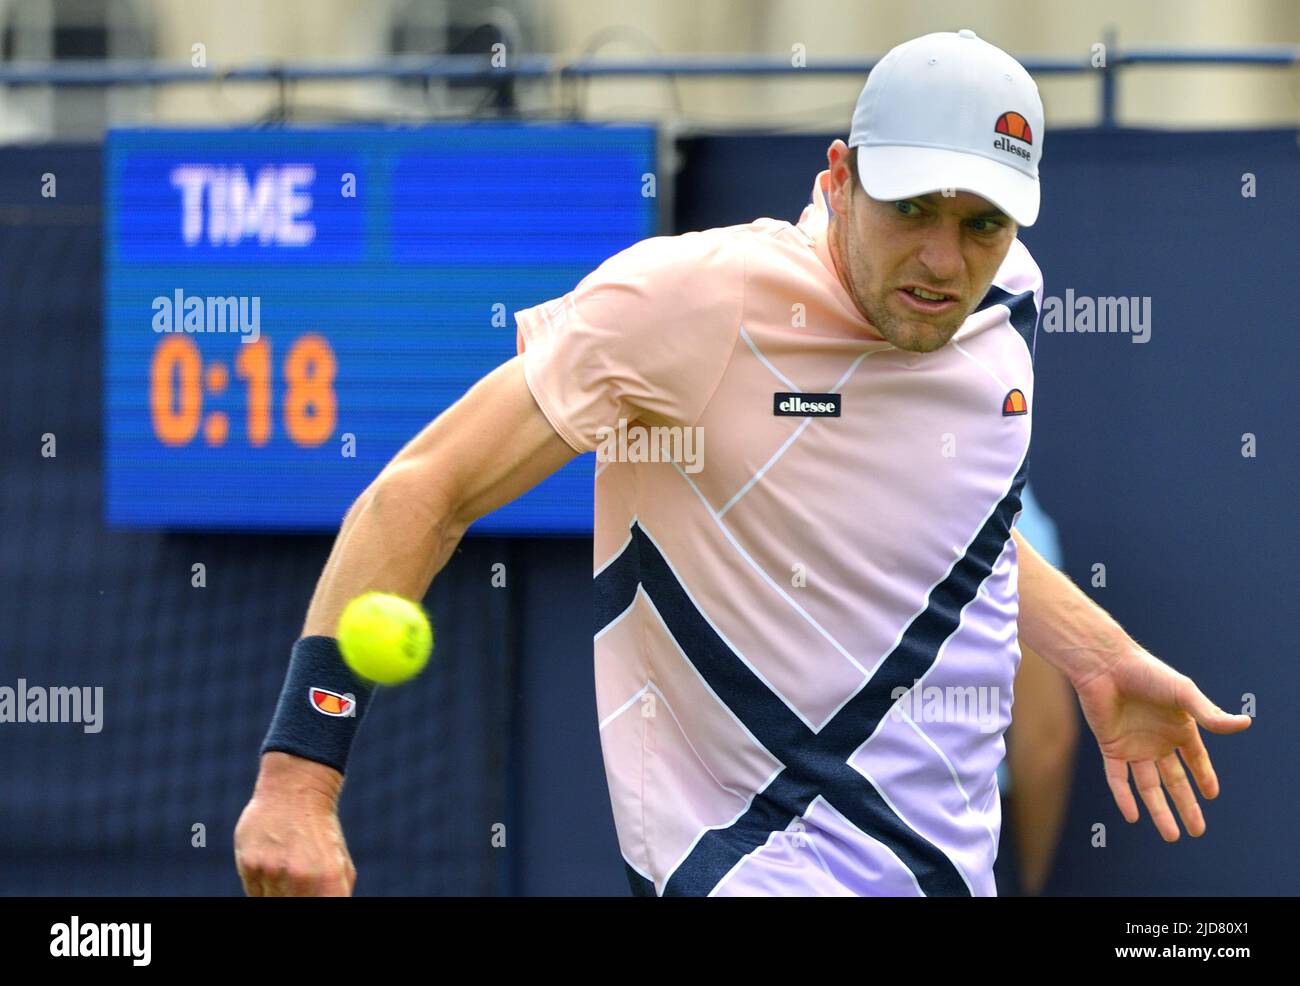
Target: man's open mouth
926 300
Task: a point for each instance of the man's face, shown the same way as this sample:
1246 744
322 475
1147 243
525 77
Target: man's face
885 252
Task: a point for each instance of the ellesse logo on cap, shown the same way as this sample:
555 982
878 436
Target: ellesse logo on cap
1014 403
1012 124
331 703
806 405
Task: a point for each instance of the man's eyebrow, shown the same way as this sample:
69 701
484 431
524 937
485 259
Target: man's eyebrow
929 199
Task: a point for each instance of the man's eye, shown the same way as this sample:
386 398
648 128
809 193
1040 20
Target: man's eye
986 225
907 208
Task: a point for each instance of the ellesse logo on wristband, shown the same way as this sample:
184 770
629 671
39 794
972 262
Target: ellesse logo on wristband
806 405
331 703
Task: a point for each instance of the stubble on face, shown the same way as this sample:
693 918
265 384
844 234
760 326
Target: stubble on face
876 253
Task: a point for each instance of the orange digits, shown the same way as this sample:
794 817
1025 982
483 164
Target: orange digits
310 405
254 365
175 426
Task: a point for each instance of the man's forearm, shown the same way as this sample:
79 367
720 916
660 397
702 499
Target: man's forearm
1061 623
481 453
395 538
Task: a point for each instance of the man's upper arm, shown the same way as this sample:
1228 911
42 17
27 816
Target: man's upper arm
648 334
487 449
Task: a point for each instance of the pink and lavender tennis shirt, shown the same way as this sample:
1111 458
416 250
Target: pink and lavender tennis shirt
805 629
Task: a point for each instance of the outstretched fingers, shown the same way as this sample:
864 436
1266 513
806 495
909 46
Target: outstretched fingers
1153 796
1180 789
1117 779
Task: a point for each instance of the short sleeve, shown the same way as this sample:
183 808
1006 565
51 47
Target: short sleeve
648 332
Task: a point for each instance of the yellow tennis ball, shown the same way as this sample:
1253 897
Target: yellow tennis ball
385 638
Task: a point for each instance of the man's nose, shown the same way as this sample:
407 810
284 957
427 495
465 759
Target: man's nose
941 252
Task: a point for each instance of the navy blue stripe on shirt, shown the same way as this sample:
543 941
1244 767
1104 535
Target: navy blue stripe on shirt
1024 312
815 762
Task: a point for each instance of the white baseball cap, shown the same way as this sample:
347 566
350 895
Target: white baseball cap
951 111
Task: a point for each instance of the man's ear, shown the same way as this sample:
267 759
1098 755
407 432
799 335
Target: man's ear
841 199
838 194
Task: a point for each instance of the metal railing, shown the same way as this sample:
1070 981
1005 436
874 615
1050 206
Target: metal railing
535 67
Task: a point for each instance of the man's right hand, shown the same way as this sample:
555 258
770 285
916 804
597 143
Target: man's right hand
288 841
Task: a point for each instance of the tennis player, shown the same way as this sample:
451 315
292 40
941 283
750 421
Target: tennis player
806 629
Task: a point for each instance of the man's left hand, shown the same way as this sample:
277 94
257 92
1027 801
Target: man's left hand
1144 715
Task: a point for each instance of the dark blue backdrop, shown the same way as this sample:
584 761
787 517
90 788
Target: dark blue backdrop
1136 454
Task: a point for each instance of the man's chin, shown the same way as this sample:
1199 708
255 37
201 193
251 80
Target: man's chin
924 345
919 337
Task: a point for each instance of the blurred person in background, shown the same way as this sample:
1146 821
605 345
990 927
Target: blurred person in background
1036 776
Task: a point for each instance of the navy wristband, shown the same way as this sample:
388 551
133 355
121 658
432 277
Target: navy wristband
321 705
